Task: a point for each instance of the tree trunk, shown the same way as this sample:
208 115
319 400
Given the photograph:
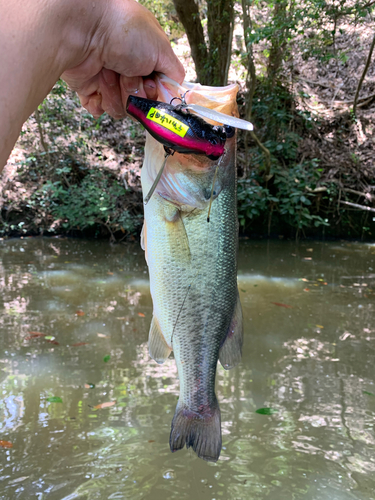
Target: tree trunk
211 64
188 13
220 17
278 40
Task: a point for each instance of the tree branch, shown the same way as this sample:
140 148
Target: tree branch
363 75
355 205
188 13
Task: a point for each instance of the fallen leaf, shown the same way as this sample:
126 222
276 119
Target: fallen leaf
54 342
104 405
345 335
304 279
36 334
151 440
111 274
106 358
6 444
306 289
18 480
77 344
364 392
121 318
266 411
282 305
101 335
50 337
319 326
307 258
80 313
141 315
54 399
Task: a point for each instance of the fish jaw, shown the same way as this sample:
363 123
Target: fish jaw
188 181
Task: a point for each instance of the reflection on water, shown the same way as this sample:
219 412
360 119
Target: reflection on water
309 353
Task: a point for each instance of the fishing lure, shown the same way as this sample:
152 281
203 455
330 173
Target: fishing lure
179 130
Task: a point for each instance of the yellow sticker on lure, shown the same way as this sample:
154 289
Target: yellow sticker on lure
168 122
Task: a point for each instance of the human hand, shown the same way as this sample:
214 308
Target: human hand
127 46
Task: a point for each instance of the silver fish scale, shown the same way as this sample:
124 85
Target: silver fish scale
209 306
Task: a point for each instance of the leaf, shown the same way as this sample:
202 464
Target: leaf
106 358
319 326
54 399
111 274
78 344
266 411
50 337
80 313
101 335
244 291
6 444
368 393
104 405
282 305
89 386
151 440
306 289
54 342
141 315
33 335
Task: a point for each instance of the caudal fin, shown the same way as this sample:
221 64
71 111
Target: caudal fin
200 431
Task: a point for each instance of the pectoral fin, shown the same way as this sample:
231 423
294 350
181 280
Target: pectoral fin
231 351
144 239
158 348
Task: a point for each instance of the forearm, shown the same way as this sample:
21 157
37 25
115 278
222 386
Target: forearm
39 40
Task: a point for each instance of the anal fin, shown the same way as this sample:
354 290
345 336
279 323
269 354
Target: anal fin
231 351
158 348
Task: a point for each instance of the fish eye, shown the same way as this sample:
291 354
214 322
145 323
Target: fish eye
229 131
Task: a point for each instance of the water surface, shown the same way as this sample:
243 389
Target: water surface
309 354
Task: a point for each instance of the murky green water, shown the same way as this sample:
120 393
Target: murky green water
314 362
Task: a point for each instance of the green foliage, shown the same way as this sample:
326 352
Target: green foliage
68 187
165 13
96 199
288 194
289 191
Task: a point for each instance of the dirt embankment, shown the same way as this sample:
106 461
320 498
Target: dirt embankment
69 173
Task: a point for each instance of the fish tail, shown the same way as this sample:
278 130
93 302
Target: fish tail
201 431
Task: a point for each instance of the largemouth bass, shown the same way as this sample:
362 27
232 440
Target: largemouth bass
193 271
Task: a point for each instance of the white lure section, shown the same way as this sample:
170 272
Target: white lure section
216 116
